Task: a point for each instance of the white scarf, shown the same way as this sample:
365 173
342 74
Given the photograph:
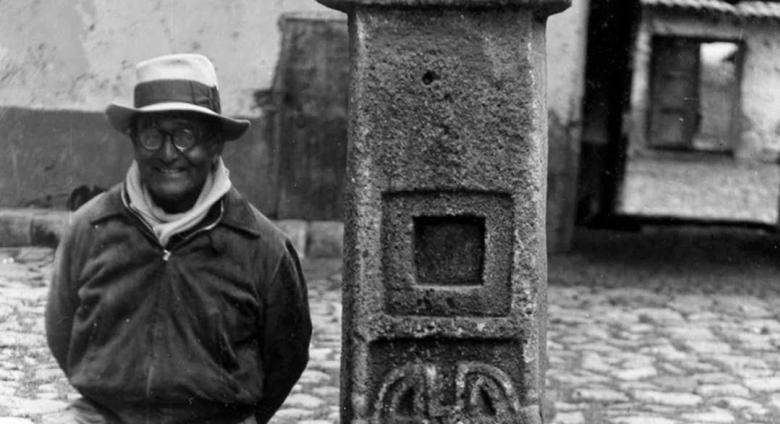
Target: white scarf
166 225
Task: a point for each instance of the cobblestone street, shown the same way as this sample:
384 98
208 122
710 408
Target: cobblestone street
653 328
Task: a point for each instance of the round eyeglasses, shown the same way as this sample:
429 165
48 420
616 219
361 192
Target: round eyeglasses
153 138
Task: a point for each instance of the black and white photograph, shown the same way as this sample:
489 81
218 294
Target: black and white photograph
390 212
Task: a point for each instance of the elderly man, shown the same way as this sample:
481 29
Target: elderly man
174 300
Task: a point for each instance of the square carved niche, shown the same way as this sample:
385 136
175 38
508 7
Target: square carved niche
449 250
447 253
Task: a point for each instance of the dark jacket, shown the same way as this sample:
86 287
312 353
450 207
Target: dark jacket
210 329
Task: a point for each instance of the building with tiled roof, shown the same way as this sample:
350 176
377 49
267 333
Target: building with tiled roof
745 9
703 119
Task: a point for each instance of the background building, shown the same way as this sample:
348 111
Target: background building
682 108
282 64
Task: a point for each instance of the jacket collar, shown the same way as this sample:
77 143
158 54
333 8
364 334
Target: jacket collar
237 212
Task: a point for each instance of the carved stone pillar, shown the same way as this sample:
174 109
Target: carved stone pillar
445 266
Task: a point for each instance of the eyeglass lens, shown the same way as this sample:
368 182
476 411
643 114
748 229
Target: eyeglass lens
153 138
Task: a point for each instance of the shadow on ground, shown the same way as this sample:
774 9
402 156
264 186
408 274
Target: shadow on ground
680 260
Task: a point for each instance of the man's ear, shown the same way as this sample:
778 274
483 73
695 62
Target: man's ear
130 133
216 150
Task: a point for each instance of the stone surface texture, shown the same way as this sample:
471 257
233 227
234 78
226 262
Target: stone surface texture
448 148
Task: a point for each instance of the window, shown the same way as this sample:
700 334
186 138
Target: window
694 94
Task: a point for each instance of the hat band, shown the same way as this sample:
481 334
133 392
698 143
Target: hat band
174 90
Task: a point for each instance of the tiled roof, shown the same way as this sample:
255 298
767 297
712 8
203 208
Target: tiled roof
746 9
759 9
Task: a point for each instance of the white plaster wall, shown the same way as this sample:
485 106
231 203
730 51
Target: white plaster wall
566 40
79 54
760 135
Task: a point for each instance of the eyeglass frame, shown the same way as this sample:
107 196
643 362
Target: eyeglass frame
199 136
166 135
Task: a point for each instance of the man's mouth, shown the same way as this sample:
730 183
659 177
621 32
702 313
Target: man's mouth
169 170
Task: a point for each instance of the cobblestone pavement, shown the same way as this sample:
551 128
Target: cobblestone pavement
653 328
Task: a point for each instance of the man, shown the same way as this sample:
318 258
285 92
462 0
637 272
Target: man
174 300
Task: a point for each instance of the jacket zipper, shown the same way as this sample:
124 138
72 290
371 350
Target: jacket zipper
149 233
165 257
188 237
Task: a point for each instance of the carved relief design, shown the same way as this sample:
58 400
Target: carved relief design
485 391
407 392
412 394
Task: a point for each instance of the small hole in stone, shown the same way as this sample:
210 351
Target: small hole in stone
429 77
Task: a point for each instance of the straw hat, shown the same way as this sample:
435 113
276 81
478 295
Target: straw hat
176 82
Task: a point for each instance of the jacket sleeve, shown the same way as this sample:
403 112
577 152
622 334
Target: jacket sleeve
63 299
286 334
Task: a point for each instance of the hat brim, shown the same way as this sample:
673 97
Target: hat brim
121 117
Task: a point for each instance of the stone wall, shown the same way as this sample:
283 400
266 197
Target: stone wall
47 153
61 63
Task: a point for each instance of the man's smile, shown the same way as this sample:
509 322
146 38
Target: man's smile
169 170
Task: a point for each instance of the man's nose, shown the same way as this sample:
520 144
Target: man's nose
168 151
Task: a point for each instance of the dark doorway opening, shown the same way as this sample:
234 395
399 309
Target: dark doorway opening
694 94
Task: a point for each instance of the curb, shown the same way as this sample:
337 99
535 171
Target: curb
44 227
32 227
314 239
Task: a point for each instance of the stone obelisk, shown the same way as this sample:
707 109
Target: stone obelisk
444 297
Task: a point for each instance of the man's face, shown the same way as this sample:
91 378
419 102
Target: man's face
173 177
